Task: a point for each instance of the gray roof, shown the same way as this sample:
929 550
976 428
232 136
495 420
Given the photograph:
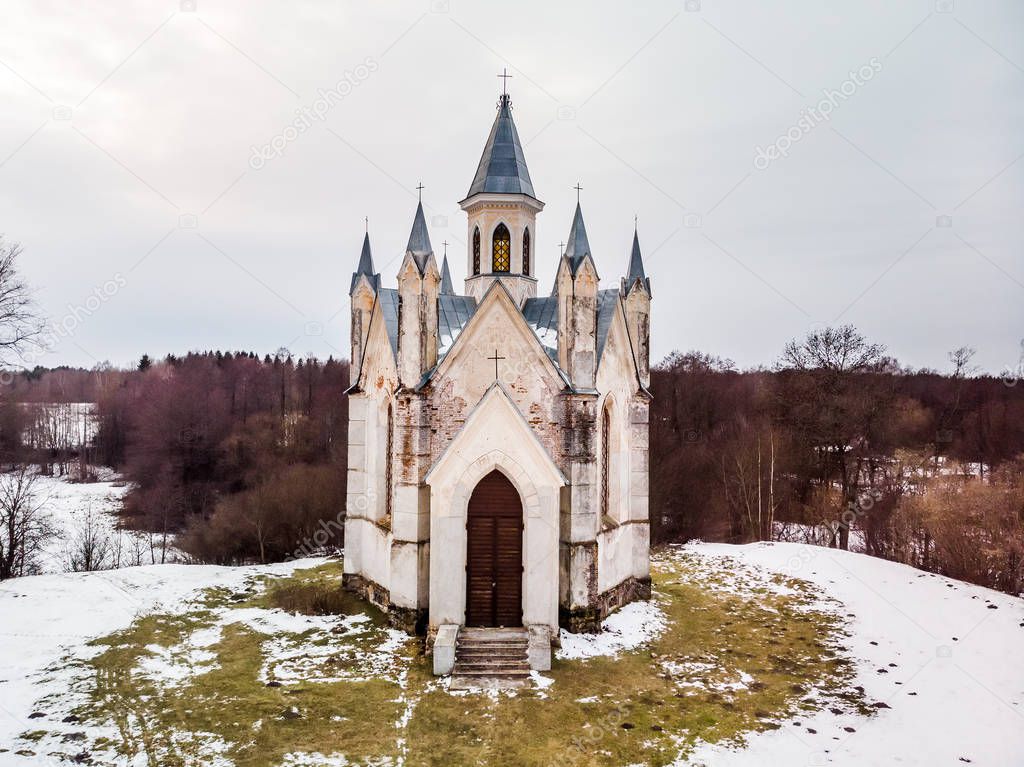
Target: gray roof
419 239
446 279
388 298
607 305
453 312
636 267
541 314
502 167
577 247
365 266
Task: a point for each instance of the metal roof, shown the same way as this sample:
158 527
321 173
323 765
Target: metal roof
607 305
636 267
446 279
388 298
419 239
577 247
453 312
502 167
365 266
541 314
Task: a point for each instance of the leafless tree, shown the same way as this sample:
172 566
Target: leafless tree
92 546
21 327
833 396
24 526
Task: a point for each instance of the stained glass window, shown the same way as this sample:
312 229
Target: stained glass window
501 249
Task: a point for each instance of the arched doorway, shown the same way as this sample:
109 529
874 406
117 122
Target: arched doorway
494 554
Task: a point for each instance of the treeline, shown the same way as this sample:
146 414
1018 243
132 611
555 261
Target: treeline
243 458
239 457
839 446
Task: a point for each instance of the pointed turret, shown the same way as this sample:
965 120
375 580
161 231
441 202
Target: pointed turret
365 267
502 167
577 247
635 273
419 239
446 279
502 209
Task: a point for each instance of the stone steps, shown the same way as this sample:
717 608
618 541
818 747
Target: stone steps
491 658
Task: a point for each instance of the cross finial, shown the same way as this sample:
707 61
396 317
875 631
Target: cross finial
504 81
419 190
445 243
636 218
561 248
366 219
578 189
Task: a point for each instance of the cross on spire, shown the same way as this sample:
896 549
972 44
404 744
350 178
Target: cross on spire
495 358
419 190
445 243
504 81
366 220
561 248
578 189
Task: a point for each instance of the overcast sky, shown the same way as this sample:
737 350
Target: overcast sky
128 129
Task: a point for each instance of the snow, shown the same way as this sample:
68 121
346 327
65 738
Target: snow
634 625
46 622
953 680
956 691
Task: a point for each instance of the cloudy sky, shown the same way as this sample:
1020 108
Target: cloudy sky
130 129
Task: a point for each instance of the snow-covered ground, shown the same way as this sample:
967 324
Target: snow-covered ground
944 656
69 507
46 622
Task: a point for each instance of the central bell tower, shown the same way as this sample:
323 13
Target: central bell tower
502 210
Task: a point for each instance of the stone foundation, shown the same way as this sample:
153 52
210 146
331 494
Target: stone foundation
587 620
408 619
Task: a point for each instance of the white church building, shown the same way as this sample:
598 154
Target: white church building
498 439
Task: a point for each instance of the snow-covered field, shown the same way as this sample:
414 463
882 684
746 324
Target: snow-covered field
46 622
943 657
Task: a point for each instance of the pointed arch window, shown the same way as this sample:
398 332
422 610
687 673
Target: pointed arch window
606 452
526 252
501 250
476 250
389 460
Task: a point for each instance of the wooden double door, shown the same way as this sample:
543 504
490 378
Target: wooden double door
494 554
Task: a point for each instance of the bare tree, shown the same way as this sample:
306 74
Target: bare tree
92 546
24 526
21 327
834 398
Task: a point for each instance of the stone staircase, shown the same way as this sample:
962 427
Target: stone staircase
491 657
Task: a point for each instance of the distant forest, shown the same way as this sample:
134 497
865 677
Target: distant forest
243 458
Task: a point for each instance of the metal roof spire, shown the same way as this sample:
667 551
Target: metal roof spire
578 246
419 239
502 167
365 266
636 265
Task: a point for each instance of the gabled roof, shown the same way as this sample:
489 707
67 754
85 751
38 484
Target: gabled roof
607 305
446 279
541 314
365 267
453 312
577 247
502 167
388 298
497 287
419 240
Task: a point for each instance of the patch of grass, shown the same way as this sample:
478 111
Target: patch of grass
739 655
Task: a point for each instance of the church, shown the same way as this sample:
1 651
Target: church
498 439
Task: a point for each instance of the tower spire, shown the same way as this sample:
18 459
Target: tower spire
365 266
635 271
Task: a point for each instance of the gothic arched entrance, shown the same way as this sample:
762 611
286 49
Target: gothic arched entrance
494 554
